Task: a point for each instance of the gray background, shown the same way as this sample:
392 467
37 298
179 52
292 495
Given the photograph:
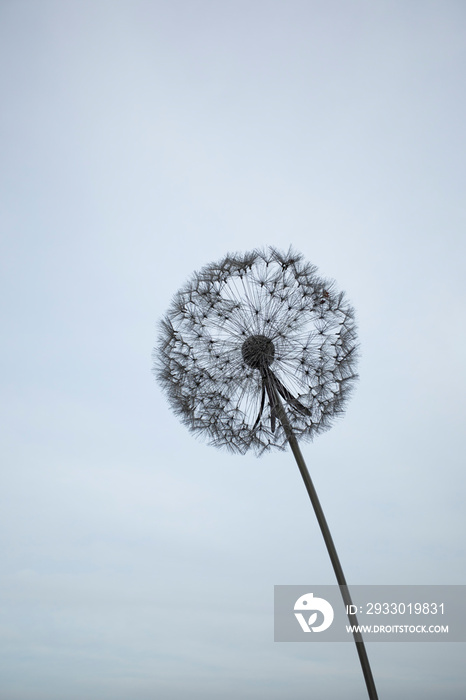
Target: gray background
140 141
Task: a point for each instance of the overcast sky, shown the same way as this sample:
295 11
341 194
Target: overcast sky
141 140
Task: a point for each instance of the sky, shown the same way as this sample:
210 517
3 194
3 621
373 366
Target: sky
141 140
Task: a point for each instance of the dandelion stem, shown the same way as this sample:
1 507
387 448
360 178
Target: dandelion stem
361 649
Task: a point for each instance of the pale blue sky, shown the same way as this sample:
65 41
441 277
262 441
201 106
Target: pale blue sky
139 141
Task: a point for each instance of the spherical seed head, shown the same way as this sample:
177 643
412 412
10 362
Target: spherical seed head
258 351
261 310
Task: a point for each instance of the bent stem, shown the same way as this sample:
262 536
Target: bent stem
361 649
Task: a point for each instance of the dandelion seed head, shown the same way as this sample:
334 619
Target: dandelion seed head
247 324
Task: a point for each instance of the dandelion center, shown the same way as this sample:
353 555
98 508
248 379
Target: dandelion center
258 351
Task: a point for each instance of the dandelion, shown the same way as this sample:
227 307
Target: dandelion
248 329
257 352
